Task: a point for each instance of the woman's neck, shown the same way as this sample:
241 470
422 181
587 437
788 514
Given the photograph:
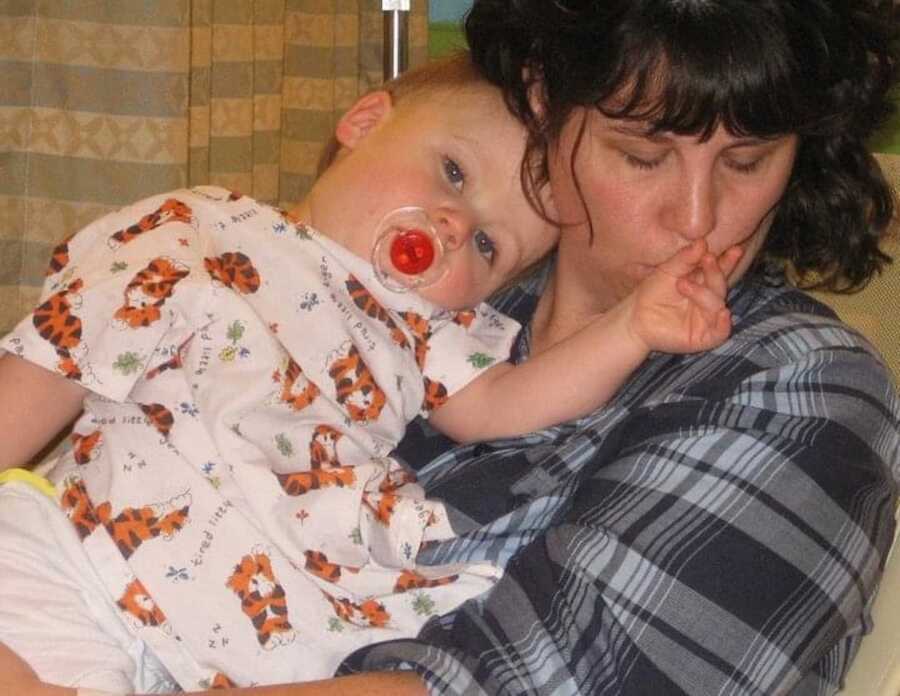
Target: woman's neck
569 301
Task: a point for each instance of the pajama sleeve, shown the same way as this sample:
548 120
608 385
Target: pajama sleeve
112 292
466 344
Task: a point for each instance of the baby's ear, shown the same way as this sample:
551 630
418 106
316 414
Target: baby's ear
367 113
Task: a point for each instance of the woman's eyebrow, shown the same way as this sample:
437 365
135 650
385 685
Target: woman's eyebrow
643 130
639 130
750 141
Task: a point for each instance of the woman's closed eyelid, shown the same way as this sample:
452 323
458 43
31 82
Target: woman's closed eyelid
748 163
747 167
642 161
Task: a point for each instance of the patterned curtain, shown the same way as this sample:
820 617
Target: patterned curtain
103 103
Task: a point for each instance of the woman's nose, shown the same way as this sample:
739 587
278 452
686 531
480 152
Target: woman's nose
454 227
691 207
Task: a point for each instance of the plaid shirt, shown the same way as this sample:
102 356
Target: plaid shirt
718 529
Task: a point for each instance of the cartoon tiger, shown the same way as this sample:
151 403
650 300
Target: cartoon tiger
56 323
234 270
86 448
421 331
59 257
220 681
355 386
464 317
395 479
368 613
77 505
262 599
364 299
148 291
323 447
382 505
176 362
137 603
132 526
296 390
318 564
301 482
159 417
435 393
170 211
411 580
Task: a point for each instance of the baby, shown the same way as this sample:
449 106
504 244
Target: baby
229 501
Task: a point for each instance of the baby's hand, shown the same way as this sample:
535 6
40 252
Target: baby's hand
680 307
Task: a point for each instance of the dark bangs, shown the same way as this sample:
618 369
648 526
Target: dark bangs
690 66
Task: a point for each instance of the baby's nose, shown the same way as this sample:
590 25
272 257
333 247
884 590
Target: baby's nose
454 227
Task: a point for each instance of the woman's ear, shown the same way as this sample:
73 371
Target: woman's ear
537 97
367 112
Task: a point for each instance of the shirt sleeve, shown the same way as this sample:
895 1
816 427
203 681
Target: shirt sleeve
464 345
111 294
724 535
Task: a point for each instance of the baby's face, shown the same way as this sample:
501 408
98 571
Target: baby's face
456 155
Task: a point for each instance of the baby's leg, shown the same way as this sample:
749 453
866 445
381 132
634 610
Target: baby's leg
54 612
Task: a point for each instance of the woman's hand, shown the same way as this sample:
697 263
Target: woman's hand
680 307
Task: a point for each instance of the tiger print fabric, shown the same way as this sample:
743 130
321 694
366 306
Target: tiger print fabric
230 478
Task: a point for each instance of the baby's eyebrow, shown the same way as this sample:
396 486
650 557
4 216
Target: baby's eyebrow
464 138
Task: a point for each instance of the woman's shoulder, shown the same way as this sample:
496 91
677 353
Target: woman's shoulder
788 326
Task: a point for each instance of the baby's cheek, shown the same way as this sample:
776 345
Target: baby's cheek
456 290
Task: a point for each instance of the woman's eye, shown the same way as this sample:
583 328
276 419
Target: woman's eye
485 245
744 167
640 162
454 173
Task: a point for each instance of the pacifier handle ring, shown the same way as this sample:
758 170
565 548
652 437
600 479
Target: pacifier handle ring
407 252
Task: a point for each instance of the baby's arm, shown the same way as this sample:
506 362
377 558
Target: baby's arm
16 677
679 308
35 404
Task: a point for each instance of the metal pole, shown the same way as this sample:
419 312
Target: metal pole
396 37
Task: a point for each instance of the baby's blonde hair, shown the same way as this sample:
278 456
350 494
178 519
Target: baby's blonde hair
453 72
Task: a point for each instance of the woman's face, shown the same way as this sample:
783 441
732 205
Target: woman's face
650 195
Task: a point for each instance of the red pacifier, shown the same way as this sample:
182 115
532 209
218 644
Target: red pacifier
407 253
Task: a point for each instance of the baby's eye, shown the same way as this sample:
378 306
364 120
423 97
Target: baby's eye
485 245
454 173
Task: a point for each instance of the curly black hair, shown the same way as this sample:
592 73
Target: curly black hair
821 69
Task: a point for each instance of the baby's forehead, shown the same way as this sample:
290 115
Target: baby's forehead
468 95
477 108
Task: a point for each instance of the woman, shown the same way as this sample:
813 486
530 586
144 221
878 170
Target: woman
721 526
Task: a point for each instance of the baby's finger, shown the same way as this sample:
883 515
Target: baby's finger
728 260
722 328
685 260
703 297
717 331
713 277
